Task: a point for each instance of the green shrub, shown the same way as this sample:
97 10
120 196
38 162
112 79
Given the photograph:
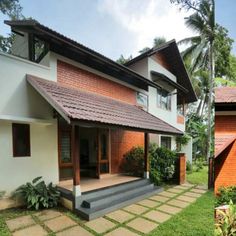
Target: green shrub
189 167
133 163
2 193
162 165
226 222
37 194
199 165
225 195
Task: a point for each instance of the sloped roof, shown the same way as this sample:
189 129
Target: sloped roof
80 106
174 59
69 48
225 95
222 141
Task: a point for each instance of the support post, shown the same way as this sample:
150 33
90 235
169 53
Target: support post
76 162
146 157
182 168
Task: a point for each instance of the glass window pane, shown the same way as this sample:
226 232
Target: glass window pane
21 140
65 147
166 142
142 99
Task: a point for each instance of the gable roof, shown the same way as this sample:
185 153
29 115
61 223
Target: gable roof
174 59
69 48
75 105
225 95
222 141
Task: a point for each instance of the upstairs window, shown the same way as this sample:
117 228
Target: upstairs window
180 109
38 48
142 100
21 140
166 142
163 99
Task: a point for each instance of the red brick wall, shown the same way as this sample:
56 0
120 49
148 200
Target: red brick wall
180 119
121 142
78 78
225 168
225 164
160 58
226 124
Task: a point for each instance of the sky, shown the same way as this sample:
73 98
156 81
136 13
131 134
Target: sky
115 27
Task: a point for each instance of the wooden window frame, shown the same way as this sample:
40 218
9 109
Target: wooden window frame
63 129
14 137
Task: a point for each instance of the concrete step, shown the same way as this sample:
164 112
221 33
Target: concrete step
115 198
129 192
113 189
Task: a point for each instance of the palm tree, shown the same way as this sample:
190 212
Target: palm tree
156 43
200 52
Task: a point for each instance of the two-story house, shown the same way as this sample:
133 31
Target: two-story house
164 66
225 137
69 114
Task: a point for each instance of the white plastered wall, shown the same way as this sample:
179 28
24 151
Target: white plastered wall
43 161
21 103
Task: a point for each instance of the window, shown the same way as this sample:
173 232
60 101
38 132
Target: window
166 142
163 99
65 142
180 109
142 99
21 140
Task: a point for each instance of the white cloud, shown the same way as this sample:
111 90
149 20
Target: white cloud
147 19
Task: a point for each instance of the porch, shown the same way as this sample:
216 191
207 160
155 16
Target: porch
89 184
91 133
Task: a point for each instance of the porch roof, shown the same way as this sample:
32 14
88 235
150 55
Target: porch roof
86 108
222 141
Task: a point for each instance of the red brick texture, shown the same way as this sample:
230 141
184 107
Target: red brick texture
161 59
225 168
75 77
180 119
121 142
225 163
225 124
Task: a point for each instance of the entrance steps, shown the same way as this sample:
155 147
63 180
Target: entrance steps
97 203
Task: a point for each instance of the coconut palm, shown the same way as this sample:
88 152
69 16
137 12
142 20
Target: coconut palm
200 50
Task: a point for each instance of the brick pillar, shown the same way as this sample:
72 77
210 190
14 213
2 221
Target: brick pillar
181 168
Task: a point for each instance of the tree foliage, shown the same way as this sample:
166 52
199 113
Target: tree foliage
157 41
223 46
13 10
123 60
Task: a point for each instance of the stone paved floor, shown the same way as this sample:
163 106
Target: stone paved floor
137 219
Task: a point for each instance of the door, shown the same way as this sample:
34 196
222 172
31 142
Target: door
103 152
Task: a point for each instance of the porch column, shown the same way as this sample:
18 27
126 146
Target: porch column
76 161
146 158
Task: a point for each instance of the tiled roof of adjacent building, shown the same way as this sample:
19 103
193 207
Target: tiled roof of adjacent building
222 141
81 106
225 95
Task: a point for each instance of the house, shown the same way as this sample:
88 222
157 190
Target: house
69 114
225 136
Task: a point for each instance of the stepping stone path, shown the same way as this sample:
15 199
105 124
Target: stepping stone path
137 219
142 225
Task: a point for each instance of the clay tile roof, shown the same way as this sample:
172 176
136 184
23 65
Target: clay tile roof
222 141
81 106
225 95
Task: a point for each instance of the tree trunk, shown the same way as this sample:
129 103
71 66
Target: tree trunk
211 86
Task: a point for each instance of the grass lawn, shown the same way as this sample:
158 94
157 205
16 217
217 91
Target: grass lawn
200 177
195 220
